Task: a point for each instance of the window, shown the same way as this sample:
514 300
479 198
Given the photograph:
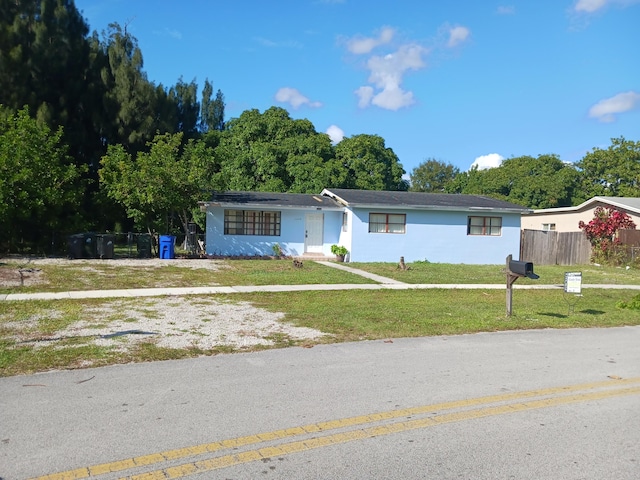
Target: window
251 222
345 221
387 222
485 226
548 227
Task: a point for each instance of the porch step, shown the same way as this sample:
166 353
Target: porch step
314 257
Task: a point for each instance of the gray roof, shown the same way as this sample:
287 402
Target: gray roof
267 199
337 198
419 200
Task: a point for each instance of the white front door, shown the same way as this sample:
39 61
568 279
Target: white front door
313 232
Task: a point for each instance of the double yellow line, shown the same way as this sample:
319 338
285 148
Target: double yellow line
319 435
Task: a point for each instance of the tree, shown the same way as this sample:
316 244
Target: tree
602 233
167 180
212 112
129 99
612 172
432 176
271 152
535 182
45 64
185 97
38 182
369 164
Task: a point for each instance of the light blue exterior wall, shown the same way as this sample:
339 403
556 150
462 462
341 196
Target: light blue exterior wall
436 236
291 237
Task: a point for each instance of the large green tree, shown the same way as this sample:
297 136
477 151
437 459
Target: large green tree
212 109
432 176
129 99
369 164
45 64
161 184
272 152
614 171
535 182
39 185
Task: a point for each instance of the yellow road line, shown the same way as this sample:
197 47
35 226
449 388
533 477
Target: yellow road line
344 437
180 453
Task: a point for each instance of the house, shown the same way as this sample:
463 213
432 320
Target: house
375 226
566 219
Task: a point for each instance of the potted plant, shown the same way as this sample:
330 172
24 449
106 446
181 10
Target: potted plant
339 251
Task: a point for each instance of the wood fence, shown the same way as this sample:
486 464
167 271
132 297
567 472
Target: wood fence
555 248
568 248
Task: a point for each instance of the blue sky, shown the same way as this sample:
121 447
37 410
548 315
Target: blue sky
461 81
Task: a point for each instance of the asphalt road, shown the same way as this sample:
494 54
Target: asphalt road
548 404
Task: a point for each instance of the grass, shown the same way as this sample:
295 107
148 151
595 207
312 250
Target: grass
349 315
99 275
345 315
443 273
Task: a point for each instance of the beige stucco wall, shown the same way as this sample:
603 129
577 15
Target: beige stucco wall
567 220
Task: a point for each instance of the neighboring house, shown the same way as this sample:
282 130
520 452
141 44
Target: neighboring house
566 219
375 226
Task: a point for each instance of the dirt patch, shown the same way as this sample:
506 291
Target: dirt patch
170 322
20 277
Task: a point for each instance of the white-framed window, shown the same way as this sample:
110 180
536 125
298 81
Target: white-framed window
387 223
484 226
251 222
345 221
548 227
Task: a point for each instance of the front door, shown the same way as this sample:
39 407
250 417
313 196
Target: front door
313 232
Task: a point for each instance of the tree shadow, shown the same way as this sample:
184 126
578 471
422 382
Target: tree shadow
553 314
590 311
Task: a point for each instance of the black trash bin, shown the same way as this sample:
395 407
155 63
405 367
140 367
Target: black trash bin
89 247
75 245
144 245
105 246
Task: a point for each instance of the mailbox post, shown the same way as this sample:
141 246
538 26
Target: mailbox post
516 269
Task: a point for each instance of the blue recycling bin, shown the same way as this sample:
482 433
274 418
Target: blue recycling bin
167 249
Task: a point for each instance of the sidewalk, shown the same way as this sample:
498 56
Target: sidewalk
383 283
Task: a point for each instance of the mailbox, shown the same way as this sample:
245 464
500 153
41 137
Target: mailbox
522 269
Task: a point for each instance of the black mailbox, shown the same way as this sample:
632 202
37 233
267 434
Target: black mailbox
522 269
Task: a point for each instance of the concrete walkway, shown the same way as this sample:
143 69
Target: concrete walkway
383 283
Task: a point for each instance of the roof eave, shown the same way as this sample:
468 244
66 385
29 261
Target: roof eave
205 205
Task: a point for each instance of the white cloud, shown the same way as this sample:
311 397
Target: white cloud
491 160
506 10
361 45
457 35
336 134
265 42
386 75
393 98
365 94
294 98
606 109
589 6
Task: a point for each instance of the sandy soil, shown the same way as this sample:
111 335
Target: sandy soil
174 322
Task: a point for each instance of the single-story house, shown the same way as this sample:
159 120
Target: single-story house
566 219
374 226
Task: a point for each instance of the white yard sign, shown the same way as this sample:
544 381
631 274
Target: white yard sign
573 282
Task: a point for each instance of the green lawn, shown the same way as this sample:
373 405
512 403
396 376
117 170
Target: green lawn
423 272
344 315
